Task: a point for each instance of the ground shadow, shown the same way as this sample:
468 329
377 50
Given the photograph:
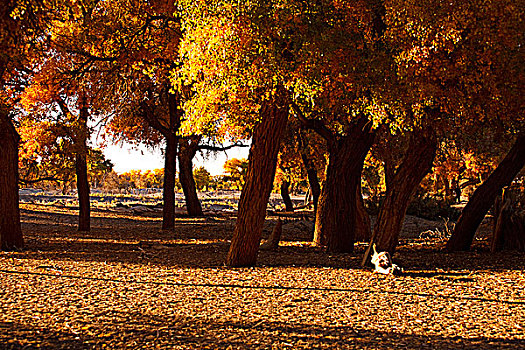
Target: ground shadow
154 331
204 242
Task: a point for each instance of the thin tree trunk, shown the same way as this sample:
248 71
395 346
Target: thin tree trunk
81 170
363 230
187 149
285 194
258 185
338 217
416 164
311 171
390 171
168 190
275 237
170 156
10 230
485 195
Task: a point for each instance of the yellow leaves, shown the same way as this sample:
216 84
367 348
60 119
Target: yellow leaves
37 94
19 11
230 67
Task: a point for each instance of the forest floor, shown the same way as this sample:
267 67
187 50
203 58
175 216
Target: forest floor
129 284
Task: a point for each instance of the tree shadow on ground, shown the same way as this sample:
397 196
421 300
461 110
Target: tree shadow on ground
204 242
154 331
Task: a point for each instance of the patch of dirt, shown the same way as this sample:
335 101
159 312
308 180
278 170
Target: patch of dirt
129 284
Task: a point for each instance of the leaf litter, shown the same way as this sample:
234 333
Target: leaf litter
128 284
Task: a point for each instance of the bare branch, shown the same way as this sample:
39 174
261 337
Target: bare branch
221 148
313 124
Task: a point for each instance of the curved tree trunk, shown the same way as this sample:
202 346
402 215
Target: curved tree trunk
285 194
338 217
258 185
485 195
10 230
168 190
416 163
187 149
81 169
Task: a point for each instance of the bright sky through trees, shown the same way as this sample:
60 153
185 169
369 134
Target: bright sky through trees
128 157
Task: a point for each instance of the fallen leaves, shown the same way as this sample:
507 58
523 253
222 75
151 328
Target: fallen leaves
95 290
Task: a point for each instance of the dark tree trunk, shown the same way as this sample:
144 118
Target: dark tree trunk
416 163
285 194
275 237
311 171
170 157
10 230
81 170
187 149
168 190
363 230
258 185
169 131
338 217
509 226
485 195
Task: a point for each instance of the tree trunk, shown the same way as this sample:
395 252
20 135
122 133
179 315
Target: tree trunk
313 179
509 226
168 190
187 149
485 195
363 230
285 194
170 156
416 163
275 237
390 171
338 217
10 230
81 169
258 185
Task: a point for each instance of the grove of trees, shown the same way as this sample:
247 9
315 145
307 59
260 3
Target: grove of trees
370 104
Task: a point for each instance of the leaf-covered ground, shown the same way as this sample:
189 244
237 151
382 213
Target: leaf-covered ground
127 284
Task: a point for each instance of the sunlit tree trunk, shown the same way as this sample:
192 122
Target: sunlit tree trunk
187 149
10 230
416 163
338 217
258 185
485 195
81 169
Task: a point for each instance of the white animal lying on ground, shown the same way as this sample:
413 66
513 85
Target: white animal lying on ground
383 263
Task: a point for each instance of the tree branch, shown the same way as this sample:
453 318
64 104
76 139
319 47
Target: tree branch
221 148
46 178
313 124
